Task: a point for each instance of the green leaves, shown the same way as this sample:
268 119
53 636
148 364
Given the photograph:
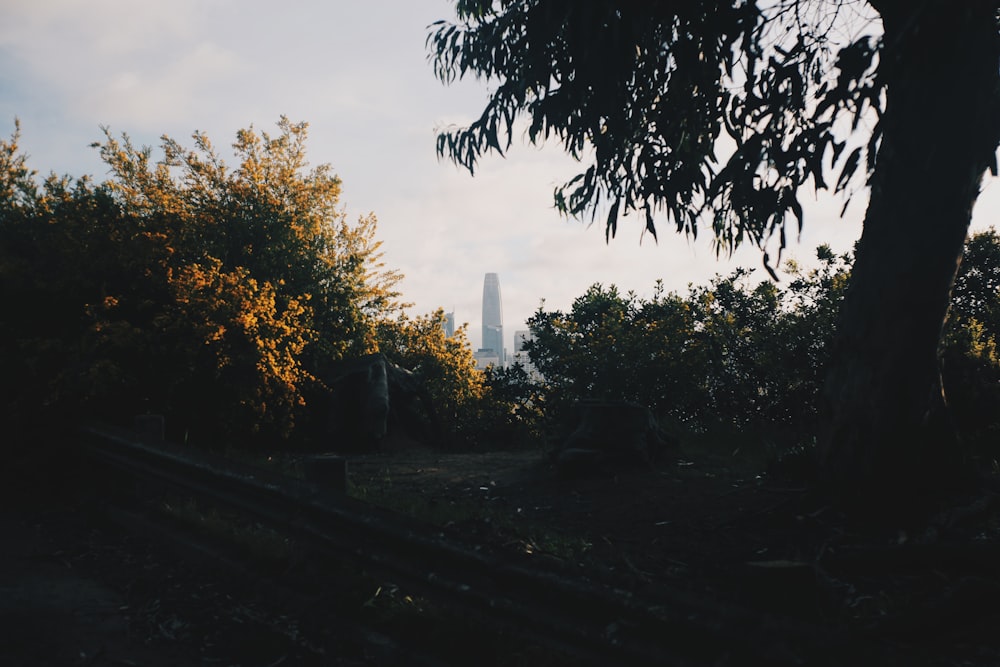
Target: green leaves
729 353
969 354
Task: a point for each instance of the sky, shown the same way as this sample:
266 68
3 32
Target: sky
358 73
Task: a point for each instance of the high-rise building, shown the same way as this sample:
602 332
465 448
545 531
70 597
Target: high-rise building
493 317
485 358
449 324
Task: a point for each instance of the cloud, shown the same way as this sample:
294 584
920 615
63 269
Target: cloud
61 40
156 93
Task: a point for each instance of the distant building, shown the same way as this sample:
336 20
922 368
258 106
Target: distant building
520 356
520 338
449 324
493 318
486 358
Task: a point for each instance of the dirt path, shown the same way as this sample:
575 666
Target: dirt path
53 612
78 593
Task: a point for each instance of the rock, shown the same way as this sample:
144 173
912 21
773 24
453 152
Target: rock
373 399
610 434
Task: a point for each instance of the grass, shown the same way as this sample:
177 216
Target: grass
359 595
261 543
470 515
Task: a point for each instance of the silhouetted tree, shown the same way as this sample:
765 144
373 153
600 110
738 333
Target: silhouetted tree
731 354
717 112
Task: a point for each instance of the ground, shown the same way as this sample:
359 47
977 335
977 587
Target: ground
710 521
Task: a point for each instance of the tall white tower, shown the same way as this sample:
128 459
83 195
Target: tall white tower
493 317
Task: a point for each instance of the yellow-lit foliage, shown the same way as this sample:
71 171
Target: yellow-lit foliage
445 363
264 267
213 294
251 347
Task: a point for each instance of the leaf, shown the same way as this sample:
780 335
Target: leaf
797 211
873 144
843 209
850 166
491 138
769 269
612 226
650 226
838 148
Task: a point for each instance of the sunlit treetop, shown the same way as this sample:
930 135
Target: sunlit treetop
271 213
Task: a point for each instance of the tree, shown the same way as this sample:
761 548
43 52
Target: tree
977 287
718 112
970 358
445 364
217 296
271 215
265 275
729 355
474 408
512 410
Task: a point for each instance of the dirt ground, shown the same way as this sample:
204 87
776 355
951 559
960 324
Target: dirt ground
664 519
76 592
718 525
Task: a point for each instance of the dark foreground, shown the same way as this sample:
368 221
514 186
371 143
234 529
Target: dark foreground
86 583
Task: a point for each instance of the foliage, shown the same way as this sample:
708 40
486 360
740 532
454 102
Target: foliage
217 296
977 284
971 363
498 407
512 411
727 355
214 295
445 364
718 112
737 355
270 216
656 95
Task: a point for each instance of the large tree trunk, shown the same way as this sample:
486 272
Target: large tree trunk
890 441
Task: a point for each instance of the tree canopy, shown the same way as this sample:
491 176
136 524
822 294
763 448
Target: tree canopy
744 358
718 112
732 355
227 298
700 112
216 295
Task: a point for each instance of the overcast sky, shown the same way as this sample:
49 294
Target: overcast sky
357 72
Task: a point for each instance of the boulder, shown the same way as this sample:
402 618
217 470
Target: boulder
609 435
373 399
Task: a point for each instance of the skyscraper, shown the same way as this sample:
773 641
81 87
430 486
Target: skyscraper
449 324
493 317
